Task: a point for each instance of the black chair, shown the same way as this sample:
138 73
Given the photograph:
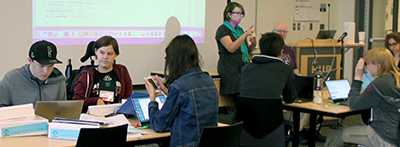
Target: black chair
263 123
398 135
103 137
226 136
73 75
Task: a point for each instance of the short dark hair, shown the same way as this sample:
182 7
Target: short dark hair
181 54
229 8
271 44
106 41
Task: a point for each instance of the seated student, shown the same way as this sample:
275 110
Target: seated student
382 96
267 77
107 82
192 101
391 43
37 81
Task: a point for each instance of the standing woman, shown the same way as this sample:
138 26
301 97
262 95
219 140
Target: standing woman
107 82
382 96
234 49
192 98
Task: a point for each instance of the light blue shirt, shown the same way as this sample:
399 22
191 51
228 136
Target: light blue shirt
366 79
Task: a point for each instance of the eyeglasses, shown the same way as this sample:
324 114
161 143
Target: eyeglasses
281 31
238 13
390 45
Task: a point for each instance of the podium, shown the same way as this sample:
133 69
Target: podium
326 50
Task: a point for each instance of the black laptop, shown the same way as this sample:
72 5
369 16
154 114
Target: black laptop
304 88
339 90
325 34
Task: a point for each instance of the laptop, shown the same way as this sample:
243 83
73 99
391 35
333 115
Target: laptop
141 106
339 90
325 34
61 109
304 88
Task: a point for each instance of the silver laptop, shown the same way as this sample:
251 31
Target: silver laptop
339 90
61 109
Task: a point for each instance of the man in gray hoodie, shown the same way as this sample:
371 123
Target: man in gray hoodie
37 81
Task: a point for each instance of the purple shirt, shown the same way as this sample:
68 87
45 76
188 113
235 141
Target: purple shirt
288 57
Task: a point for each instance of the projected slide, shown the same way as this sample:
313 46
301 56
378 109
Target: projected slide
77 22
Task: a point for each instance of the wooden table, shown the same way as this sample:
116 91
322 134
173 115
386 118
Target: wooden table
339 111
43 141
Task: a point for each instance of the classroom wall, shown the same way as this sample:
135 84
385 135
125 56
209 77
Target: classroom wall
16 21
270 12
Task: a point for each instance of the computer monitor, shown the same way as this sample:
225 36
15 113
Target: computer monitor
325 34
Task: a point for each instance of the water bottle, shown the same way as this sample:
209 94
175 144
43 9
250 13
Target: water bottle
68 70
318 82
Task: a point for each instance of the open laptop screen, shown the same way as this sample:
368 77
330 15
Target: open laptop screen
141 106
338 89
304 87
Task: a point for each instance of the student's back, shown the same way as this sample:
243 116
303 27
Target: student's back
192 101
192 104
267 77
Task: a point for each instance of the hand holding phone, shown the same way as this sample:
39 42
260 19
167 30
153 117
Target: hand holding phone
150 79
155 86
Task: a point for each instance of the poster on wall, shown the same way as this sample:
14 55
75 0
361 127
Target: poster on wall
307 10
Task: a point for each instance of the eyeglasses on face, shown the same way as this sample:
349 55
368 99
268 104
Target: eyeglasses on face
394 44
281 31
238 13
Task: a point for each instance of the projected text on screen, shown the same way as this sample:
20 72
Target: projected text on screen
77 22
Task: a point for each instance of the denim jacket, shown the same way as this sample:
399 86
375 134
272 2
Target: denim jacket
192 103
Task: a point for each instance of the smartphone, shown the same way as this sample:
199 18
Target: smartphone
150 79
156 88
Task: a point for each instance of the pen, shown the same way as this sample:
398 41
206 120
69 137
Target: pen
332 105
144 127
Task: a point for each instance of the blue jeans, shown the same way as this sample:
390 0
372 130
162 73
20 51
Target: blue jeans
361 134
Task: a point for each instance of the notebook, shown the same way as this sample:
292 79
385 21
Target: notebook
339 90
141 106
62 109
304 88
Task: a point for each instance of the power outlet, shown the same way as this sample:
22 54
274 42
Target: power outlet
298 26
294 27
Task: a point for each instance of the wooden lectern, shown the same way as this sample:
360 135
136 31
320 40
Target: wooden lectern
319 53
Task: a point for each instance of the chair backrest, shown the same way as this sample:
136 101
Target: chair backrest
398 134
226 136
260 116
102 137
